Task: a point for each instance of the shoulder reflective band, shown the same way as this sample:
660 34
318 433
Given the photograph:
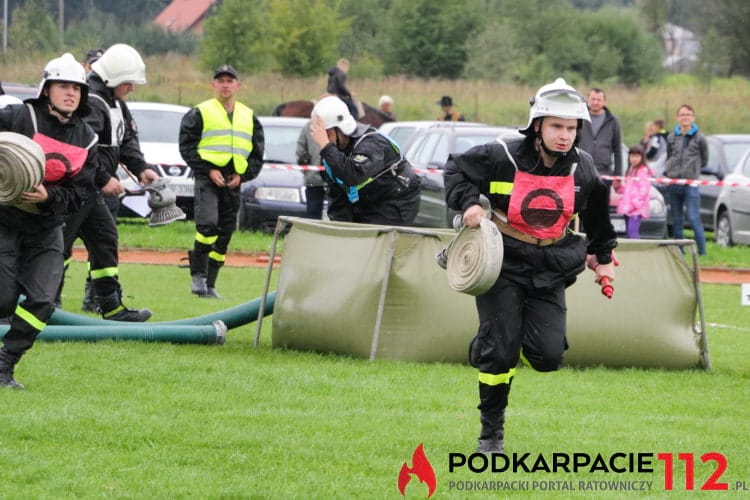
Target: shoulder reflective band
501 187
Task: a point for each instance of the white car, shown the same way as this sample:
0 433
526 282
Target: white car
158 131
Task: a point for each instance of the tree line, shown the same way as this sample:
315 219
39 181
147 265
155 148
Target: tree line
517 41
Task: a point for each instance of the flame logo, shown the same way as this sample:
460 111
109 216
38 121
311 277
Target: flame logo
422 468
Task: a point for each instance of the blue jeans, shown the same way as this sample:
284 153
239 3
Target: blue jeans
687 200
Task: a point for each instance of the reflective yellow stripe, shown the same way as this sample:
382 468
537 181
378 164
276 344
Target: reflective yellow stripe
501 187
497 379
206 240
524 360
107 272
220 257
29 318
113 311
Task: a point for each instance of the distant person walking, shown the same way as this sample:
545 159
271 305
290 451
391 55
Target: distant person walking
602 138
634 192
447 113
687 154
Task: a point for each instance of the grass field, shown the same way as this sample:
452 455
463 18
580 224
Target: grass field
147 420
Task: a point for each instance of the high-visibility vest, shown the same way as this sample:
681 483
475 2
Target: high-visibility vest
222 140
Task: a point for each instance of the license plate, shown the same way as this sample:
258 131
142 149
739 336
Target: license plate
619 225
182 189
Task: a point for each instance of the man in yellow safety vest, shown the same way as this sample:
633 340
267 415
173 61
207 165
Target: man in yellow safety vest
222 141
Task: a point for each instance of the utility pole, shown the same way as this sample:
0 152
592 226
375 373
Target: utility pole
60 21
5 26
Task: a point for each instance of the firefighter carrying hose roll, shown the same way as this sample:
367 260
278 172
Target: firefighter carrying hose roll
31 236
536 185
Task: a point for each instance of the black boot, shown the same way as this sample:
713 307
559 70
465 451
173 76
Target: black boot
89 304
112 309
8 361
213 273
491 436
198 272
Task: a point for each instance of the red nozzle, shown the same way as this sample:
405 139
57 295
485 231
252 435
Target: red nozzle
607 289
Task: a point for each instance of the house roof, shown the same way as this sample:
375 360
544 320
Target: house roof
182 15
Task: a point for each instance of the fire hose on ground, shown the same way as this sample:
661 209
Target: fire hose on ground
206 329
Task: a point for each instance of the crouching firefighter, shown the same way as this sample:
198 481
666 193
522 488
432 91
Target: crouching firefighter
31 234
536 185
222 141
369 180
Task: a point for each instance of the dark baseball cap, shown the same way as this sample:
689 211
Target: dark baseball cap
226 69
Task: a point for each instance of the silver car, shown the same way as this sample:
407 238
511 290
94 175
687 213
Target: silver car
732 209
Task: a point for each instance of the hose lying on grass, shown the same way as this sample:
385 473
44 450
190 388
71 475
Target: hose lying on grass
233 317
148 332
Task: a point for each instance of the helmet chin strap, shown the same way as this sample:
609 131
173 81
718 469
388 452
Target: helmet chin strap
64 114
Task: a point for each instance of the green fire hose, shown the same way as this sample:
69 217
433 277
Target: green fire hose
232 317
214 333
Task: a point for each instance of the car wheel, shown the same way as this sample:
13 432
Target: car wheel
241 218
723 233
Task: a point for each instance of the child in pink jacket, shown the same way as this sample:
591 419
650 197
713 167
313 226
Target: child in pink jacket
634 192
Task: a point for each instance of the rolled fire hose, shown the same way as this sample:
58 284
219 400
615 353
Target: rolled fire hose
21 167
474 258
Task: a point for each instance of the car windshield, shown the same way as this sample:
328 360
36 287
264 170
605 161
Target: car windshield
281 143
465 142
734 151
157 125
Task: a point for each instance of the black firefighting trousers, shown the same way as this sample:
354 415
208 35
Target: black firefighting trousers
94 224
215 218
30 264
516 321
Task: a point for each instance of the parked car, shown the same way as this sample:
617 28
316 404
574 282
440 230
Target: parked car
724 151
158 131
403 132
428 152
22 91
276 191
732 209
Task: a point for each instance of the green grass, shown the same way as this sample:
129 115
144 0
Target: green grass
143 420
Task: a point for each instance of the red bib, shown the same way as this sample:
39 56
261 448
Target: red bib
541 206
63 161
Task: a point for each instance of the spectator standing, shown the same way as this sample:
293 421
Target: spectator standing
369 181
447 112
337 85
222 141
687 155
523 315
308 153
602 138
385 103
634 192
31 237
112 78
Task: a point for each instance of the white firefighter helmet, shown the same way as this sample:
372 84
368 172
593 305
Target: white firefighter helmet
334 113
558 99
120 63
65 69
